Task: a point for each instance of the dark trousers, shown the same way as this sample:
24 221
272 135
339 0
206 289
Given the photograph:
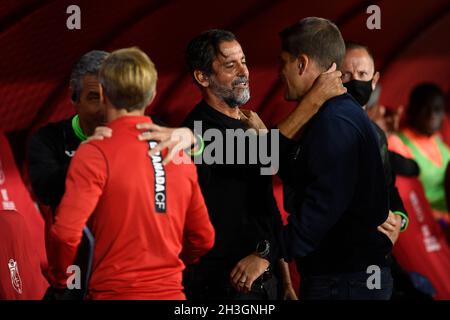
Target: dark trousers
346 286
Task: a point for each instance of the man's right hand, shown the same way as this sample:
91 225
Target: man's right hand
326 86
246 271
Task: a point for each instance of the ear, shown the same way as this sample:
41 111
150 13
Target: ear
72 95
302 63
375 79
201 78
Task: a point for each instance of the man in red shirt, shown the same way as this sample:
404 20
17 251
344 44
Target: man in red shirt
147 219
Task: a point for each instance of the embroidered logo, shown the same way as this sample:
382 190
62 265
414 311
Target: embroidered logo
15 276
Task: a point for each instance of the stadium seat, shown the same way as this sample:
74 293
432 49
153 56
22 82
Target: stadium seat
422 248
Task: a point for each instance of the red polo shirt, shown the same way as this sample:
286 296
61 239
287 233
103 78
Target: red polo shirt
142 214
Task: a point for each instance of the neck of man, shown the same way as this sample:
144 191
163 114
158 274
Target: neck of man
312 73
113 113
220 105
310 81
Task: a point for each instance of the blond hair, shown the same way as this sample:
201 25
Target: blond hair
128 77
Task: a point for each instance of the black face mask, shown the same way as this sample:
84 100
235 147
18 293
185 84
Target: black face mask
360 90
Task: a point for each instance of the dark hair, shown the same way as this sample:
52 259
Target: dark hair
349 45
89 63
419 97
202 50
318 38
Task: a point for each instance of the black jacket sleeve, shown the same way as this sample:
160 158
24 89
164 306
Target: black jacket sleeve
403 166
47 171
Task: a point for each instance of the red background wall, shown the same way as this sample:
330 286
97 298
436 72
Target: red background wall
38 51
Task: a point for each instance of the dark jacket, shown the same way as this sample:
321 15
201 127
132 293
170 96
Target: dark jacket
340 192
49 153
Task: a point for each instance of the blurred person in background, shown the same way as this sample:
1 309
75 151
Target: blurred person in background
420 141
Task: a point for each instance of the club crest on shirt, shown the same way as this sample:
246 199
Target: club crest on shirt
15 276
70 153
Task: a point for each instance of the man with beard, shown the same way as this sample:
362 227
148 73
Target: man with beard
240 200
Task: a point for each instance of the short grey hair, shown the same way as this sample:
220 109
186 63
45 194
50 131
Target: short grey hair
89 63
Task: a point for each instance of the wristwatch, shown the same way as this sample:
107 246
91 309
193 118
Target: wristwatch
263 249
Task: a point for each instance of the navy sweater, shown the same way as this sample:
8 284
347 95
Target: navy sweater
340 194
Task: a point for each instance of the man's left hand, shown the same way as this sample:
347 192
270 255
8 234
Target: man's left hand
247 271
391 227
252 120
174 139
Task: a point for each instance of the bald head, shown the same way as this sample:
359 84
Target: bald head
358 72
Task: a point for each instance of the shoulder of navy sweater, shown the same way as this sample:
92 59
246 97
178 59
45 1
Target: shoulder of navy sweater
343 108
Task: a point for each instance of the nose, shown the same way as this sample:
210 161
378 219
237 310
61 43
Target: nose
243 70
